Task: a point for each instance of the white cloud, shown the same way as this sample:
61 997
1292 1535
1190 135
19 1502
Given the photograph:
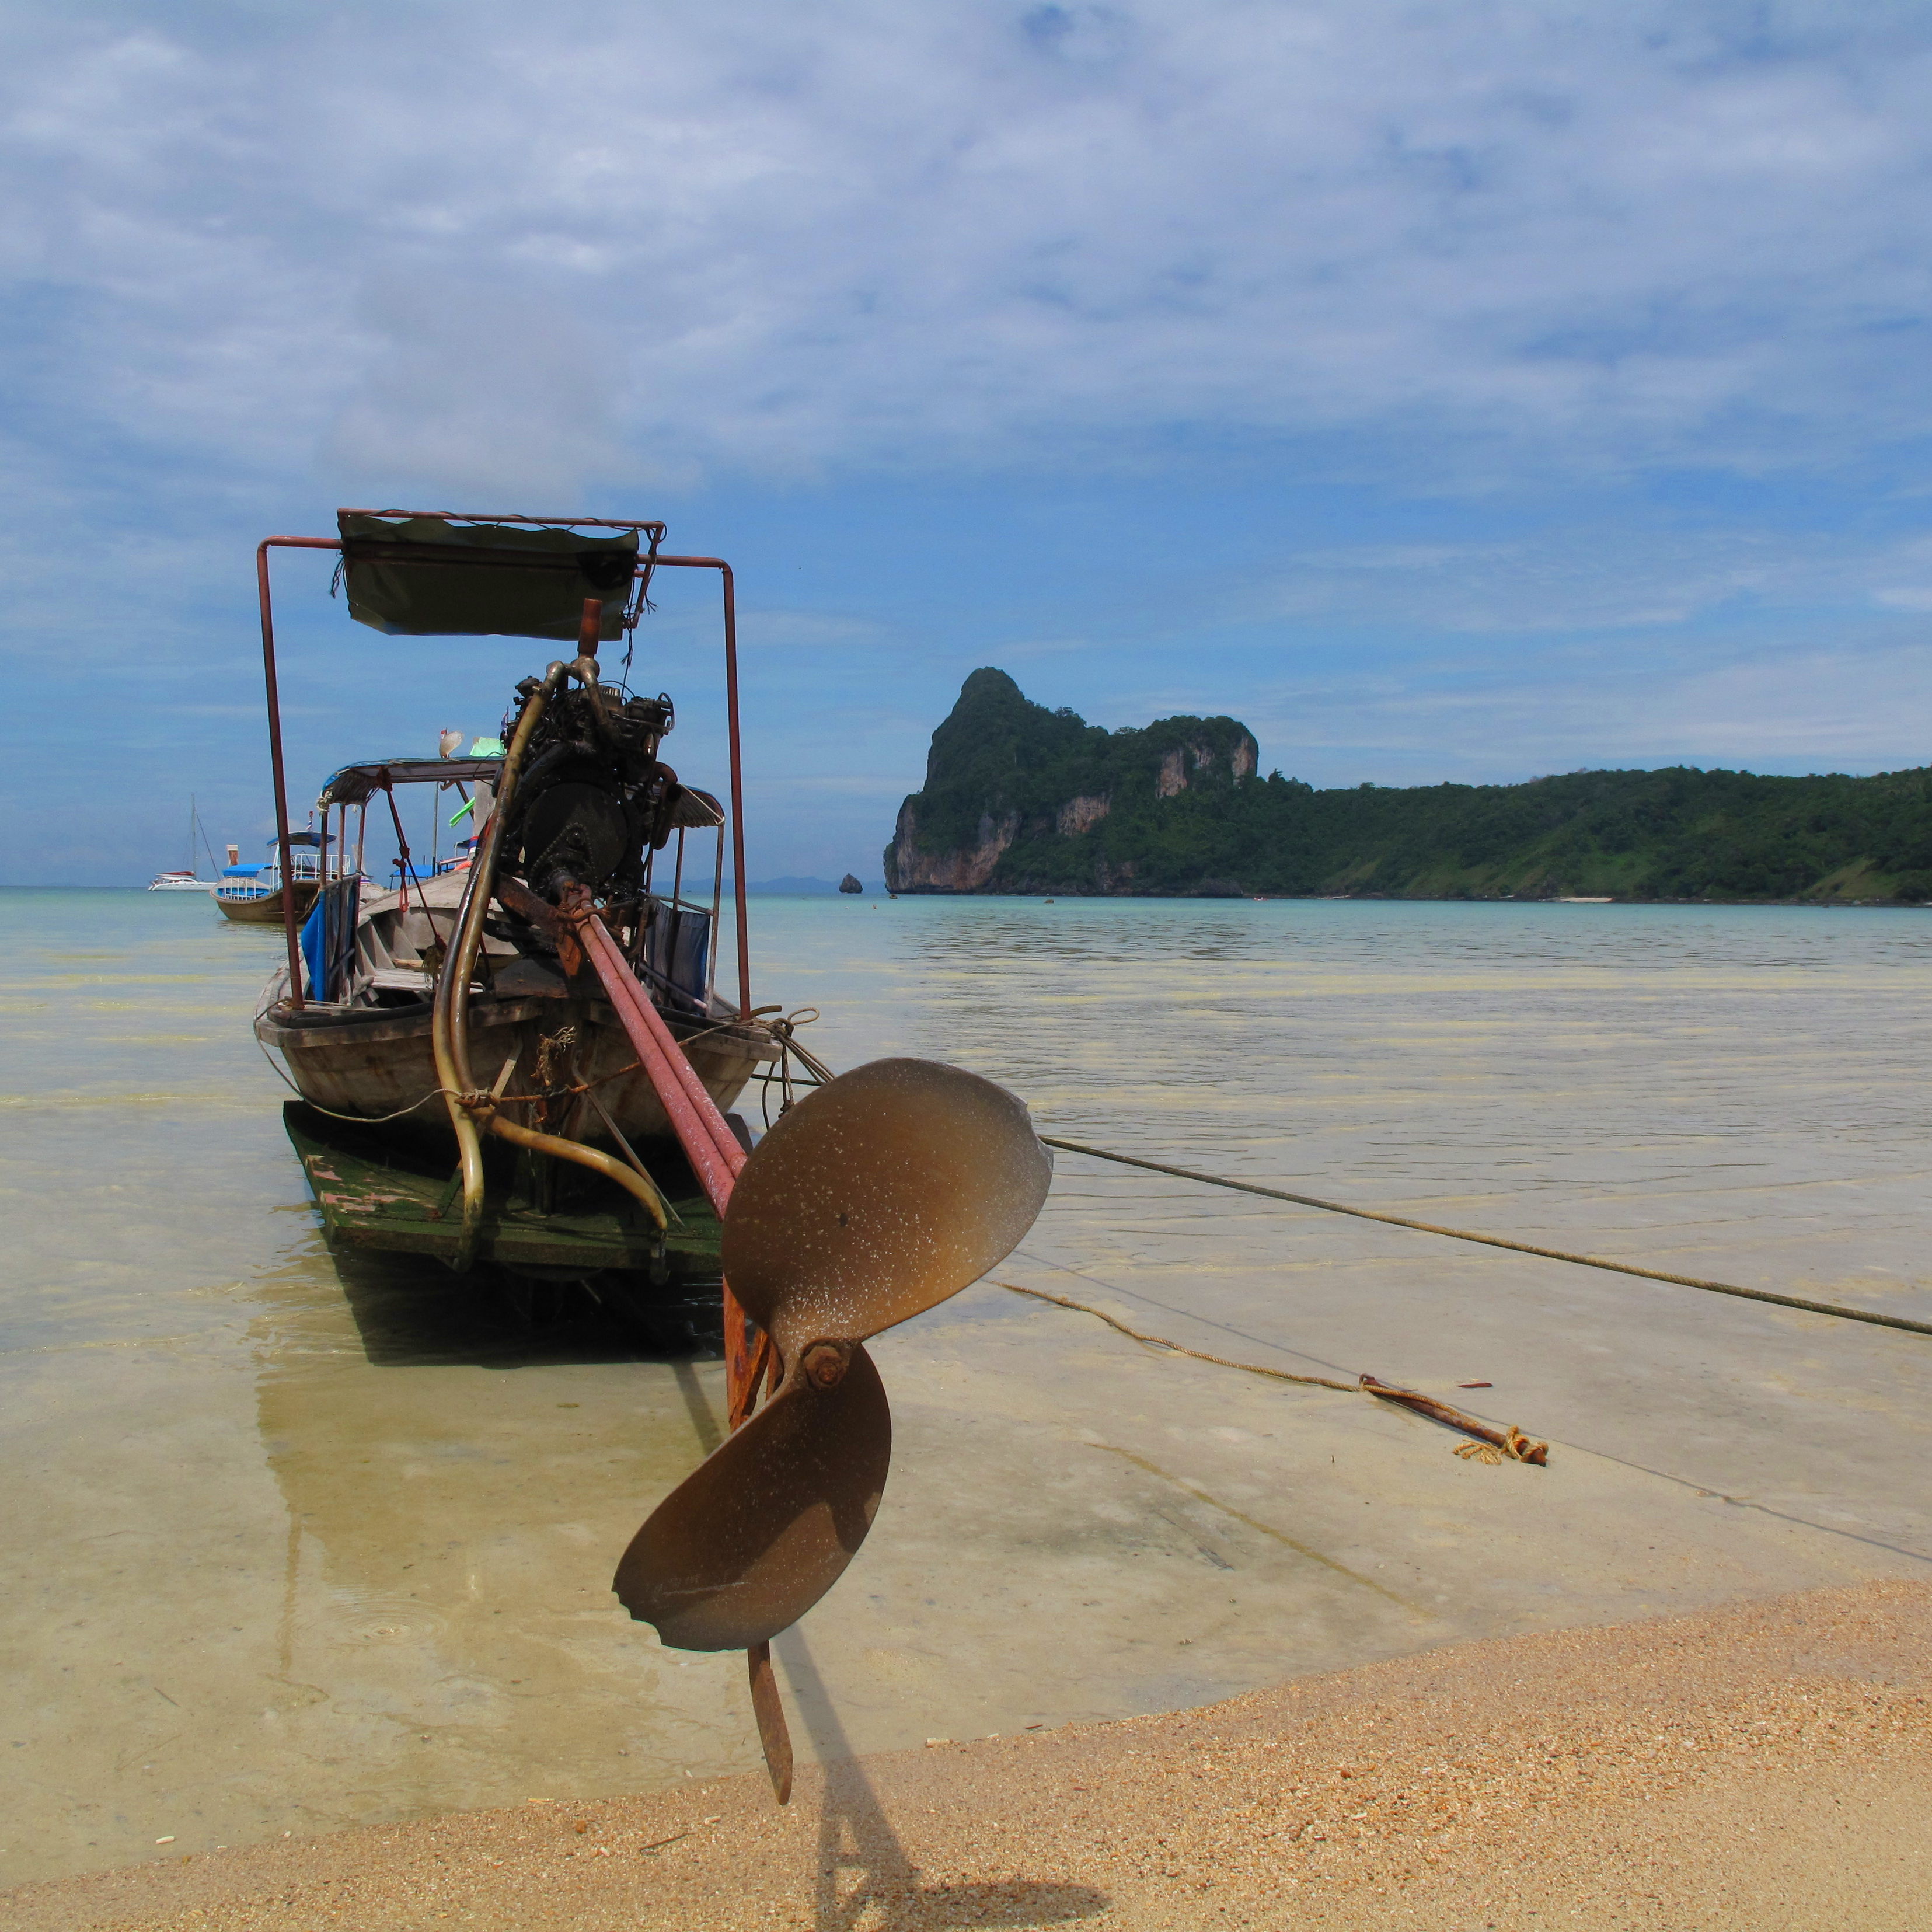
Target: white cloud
1846 706
472 385
471 247
761 627
1590 575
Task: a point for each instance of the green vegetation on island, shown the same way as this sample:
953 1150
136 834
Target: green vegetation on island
1021 798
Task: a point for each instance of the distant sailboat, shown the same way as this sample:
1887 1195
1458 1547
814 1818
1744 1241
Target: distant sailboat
186 882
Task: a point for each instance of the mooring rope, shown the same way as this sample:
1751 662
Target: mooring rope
1162 1341
1838 1309
1492 1444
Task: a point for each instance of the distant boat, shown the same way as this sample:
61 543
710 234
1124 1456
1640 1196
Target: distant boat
253 894
186 882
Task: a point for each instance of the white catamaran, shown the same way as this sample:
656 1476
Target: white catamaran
186 881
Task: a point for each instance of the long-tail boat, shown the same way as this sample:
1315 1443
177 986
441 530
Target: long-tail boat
257 894
559 1187
530 1064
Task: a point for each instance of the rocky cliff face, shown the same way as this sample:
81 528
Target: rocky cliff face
955 868
1018 798
1185 759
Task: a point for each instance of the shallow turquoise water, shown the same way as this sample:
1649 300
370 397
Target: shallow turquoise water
290 1543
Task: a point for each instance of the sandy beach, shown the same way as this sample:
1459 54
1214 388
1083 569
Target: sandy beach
1764 1766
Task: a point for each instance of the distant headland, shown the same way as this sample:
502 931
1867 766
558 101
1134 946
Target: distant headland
1019 798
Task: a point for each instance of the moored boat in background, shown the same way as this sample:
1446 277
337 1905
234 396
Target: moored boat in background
253 894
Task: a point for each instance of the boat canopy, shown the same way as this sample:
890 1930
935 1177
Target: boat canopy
431 577
354 783
694 811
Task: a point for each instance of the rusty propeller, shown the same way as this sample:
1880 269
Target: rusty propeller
873 1199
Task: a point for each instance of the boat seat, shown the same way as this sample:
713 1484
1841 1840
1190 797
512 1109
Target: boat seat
396 980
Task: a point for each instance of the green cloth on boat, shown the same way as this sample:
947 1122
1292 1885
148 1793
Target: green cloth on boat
426 576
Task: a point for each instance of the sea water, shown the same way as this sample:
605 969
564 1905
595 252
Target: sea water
292 1541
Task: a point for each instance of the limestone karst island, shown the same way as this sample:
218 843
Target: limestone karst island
1021 798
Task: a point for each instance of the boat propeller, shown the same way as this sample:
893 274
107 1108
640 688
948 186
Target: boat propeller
873 1199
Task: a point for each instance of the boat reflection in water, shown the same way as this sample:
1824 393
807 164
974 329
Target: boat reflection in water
443 1618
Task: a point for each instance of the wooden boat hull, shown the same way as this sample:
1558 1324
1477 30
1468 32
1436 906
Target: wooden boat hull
377 1064
374 1194
267 911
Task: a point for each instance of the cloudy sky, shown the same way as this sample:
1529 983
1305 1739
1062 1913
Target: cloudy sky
1464 391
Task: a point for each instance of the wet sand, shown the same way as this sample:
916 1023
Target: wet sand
1764 1766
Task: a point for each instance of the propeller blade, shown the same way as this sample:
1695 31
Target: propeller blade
878 1196
875 1197
766 1524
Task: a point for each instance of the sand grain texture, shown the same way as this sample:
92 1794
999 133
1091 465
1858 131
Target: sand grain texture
1765 1766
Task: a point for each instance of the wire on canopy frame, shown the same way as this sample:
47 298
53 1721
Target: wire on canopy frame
641 602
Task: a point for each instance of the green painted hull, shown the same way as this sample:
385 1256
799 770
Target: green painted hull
542 1216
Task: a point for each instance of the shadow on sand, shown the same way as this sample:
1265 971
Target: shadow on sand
862 1866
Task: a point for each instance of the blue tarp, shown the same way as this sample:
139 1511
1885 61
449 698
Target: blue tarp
328 938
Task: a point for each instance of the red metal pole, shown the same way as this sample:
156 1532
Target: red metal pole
706 1138
723 569
737 790
289 928
709 1143
275 764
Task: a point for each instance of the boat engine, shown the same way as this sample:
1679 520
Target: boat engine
594 795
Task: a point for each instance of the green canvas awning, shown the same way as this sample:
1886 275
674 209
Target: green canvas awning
426 576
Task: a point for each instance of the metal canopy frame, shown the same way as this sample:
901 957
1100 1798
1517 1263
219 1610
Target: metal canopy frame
356 784
646 566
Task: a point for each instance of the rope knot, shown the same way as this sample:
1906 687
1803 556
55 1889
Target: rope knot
1514 1447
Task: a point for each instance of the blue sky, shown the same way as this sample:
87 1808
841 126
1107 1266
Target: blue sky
1457 391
